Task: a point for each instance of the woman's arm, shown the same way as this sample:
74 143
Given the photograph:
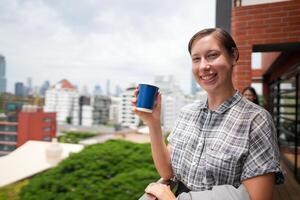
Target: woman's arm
160 152
260 187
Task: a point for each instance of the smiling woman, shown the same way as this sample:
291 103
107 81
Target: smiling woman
225 140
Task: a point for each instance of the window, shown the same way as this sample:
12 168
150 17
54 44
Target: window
47 129
47 138
47 119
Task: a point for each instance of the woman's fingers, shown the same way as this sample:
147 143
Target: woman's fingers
134 100
151 197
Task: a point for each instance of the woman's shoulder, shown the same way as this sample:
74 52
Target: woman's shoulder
251 108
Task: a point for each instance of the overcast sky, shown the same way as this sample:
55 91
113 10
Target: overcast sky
91 41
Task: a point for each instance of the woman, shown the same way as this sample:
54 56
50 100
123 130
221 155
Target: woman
225 140
250 94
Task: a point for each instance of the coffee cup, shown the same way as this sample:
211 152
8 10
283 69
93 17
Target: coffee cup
146 97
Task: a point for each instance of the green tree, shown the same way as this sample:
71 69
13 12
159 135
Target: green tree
113 170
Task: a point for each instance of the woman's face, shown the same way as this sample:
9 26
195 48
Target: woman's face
211 65
249 95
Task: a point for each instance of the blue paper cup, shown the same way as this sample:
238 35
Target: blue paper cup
146 97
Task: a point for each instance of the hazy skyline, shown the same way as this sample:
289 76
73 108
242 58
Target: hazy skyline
90 41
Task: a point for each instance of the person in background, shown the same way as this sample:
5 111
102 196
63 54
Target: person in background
250 94
225 140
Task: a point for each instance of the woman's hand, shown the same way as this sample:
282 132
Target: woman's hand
160 191
148 118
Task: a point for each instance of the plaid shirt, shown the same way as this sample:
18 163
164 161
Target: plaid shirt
235 142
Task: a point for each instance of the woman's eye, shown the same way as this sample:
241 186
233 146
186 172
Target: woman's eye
196 59
213 55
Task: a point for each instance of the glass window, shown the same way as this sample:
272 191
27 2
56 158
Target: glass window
47 119
47 129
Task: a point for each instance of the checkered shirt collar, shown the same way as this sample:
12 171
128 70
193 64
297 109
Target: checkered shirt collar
225 105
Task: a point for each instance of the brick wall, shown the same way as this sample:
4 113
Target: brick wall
262 24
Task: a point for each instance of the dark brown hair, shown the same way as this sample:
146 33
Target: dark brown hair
252 90
224 38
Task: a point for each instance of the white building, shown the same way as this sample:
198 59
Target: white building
173 100
87 115
63 98
114 109
126 117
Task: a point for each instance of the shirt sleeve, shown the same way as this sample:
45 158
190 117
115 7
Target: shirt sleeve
263 155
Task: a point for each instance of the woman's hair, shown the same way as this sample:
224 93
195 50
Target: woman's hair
224 39
252 90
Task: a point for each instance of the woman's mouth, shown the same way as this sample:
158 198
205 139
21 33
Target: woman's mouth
208 77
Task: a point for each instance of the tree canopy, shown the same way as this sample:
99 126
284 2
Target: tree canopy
113 170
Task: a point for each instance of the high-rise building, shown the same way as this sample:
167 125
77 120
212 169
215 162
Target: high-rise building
29 86
126 117
118 90
97 90
114 109
63 98
173 99
2 74
101 106
19 89
45 86
85 111
108 87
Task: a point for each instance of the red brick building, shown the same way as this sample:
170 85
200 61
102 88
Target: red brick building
32 124
36 125
273 29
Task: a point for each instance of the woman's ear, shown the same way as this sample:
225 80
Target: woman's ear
235 56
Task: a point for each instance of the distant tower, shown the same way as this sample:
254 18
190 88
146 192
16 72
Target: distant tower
2 74
97 90
29 86
108 87
118 90
44 88
19 89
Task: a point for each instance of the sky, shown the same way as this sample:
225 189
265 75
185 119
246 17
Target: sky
91 41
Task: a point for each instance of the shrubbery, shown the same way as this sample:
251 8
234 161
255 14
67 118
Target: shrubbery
74 137
115 170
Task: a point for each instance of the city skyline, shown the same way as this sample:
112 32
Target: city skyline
89 42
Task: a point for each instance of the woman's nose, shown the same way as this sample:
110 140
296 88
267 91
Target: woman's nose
204 65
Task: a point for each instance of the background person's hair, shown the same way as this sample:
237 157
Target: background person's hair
222 36
252 90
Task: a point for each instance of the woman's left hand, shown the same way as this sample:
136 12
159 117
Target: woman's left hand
160 191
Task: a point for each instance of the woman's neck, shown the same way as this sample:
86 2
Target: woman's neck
215 99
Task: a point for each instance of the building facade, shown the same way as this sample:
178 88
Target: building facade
101 106
31 124
63 98
35 124
173 100
19 89
114 110
272 28
8 137
126 117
